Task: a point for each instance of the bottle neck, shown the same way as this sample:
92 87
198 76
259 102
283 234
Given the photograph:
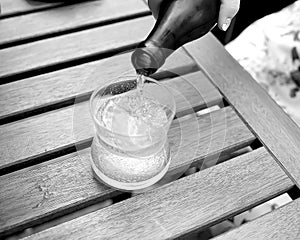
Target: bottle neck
148 57
179 22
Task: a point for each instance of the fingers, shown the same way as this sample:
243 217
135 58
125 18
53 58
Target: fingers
228 10
154 7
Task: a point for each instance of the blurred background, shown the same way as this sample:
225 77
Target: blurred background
250 11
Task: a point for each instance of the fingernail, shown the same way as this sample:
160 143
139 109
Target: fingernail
226 24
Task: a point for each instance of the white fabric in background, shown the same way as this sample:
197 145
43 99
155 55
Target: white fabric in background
264 50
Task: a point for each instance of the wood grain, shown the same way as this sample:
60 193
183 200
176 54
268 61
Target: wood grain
193 202
71 47
40 135
69 179
17 7
25 96
67 18
283 223
273 127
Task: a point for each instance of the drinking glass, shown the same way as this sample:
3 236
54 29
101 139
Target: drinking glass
130 149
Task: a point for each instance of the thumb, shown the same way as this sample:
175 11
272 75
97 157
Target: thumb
228 10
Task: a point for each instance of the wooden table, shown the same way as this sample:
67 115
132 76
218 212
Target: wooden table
48 54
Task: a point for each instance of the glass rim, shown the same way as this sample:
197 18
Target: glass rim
96 91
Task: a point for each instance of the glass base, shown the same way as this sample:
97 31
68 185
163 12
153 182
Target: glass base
124 172
127 186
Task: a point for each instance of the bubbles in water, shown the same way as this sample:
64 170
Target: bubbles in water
141 121
131 146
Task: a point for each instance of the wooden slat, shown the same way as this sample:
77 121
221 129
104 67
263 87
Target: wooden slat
194 202
16 7
40 135
273 127
25 96
54 21
69 180
283 223
70 47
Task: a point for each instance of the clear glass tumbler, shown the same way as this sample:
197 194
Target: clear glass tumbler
130 150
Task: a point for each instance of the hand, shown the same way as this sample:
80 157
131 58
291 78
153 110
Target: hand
228 10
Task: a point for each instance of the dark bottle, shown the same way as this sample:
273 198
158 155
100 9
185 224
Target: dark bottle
178 22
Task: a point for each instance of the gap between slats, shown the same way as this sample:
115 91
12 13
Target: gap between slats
47 92
68 19
70 178
67 64
282 223
12 8
199 201
31 140
72 49
81 210
266 119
